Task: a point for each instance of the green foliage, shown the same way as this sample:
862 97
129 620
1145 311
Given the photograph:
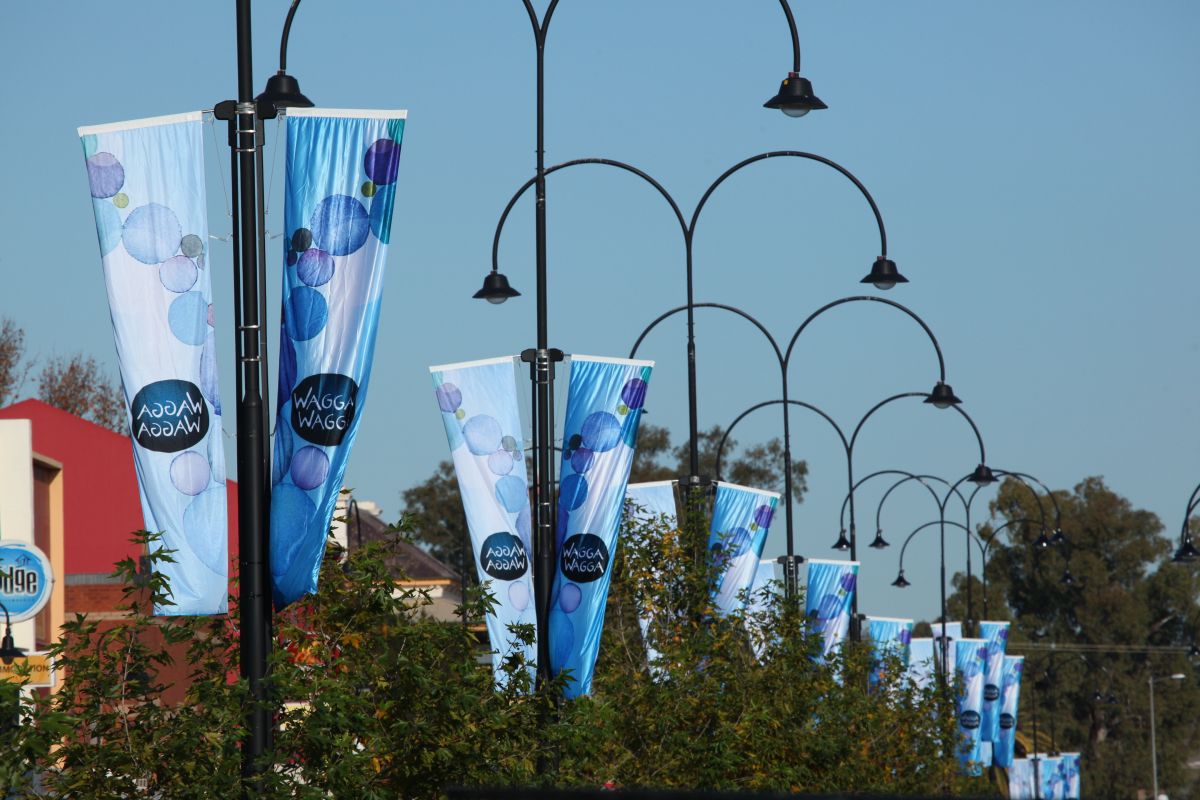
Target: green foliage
1129 613
375 699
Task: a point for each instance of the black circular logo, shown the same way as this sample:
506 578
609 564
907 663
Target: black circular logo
1007 721
169 416
503 556
323 408
584 557
969 720
991 692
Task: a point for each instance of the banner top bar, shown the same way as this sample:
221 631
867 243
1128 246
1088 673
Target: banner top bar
348 113
145 122
479 363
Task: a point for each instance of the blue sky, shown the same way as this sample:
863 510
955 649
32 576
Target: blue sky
1036 165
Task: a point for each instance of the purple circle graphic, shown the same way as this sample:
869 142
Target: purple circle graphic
634 393
500 462
763 515
310 465
314 267
190 473
106 176
581 460
518 595
340 225
569 597
382 161
178 274
449 397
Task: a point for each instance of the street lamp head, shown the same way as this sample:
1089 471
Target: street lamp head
795 97
1187 552
942 396
1058 537
9 651
884 274
1193 651
982 475
842 543
1178 676
283 91
879 542
901 582
1067 578
1041 543
495 289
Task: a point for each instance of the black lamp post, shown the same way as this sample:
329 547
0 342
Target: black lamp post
1188 553
542 358
9 652
783 359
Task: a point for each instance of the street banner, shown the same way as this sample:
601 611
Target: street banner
1021 784
740 522
650 504
605 397
764 593
996 636
1070 770
1006 720
921 667
478 403
985 754
147 185
1049 780
341 175
890 638
952 632
828 599
970 662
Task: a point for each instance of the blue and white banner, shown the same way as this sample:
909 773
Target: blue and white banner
996 636
921 667
1049 778
605 397
890 638
1006 720
1069 766
740 522
342 168
952 632
1021 782
147 185
650 504
478 402
828 599
765 590
985 754
970 662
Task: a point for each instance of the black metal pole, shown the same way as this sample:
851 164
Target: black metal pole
252 450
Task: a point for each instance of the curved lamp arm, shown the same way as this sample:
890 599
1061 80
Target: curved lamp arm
921 479
1019 478
795 154
756 407
744 315
1046 490
871 299
879 473
972 536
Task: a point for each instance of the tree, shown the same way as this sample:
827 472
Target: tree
435 507
1127 614
78 385
13 367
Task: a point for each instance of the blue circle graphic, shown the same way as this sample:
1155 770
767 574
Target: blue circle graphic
483 435
510 492
500 462
309 467
314 267
569 596
204 515
308 313
188 318
581 460
600 432
562 641
340 225
291 513
152 233
108 225
572 492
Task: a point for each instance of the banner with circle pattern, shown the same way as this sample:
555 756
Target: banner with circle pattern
342 169
605 398
890 638
650 503
765 593
740 522
1010 698
478 402
996 636
1021 782
921 668
1069 766
970 657
828 599
147 184
1050 779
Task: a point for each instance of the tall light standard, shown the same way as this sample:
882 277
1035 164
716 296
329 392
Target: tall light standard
9 652
1188 552
1178 676
542 358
